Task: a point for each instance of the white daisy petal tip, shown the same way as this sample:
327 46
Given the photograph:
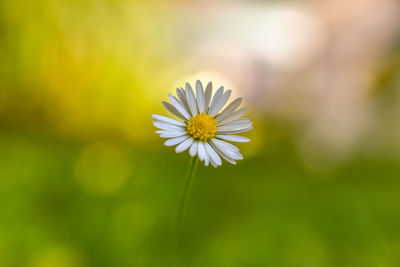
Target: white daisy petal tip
184 145
201 127
233 138
193 149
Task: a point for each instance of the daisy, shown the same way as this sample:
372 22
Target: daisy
202 127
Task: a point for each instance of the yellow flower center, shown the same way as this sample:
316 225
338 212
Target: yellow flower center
202 127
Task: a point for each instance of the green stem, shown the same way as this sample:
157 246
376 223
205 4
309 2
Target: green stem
181 209
186 190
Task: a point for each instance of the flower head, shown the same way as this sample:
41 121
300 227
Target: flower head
203 128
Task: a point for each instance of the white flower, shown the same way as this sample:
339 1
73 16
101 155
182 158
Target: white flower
203 128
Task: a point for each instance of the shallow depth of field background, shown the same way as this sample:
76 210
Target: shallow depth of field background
85 181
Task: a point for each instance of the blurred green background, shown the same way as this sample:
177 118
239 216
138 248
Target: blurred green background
85 181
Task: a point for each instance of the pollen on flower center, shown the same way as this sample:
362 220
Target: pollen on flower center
202 127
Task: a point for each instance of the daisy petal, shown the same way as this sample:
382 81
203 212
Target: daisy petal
206 160
213 155
200 96
201 151
237 131
207 156
184 145
240 121
229 109
234 155
193 149
213 163
191 99
174 111
226 150
167 120
178 106
233 138
167 126
234 126
224 155
221 103
225 144
182 98
228 129
171 134
207 97
176 140
215 99
231 116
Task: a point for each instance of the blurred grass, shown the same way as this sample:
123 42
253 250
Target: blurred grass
270 210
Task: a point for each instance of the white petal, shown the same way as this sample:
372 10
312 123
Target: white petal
229 109
176 140
173 110
221 103
171 134
193 149
178 106
201 151
215 98
232 116
239 156
206 158
240 121
200 96
229 129
234 126
213 163
167 126
191 99
168 120
182 98
233 154
237 131
213 155
233 138
184 145
224 155
225 144
207 97
225 150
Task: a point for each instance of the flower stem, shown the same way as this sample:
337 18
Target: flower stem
181 209
186 190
